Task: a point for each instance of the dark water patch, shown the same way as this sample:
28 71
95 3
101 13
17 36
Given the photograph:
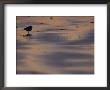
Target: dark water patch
50 37
80 64
76 21
61 29
88 39
75 47
70 64
78 72
19 58
60 59
22 45
29 72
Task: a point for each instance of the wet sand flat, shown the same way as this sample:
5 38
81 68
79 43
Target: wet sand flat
57 45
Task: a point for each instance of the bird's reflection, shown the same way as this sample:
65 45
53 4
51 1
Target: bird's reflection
27 36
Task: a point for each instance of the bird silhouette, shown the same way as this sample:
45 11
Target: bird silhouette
28 29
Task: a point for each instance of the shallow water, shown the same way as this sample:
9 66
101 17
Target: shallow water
61 45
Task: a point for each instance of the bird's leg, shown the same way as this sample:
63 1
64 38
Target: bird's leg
28 32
